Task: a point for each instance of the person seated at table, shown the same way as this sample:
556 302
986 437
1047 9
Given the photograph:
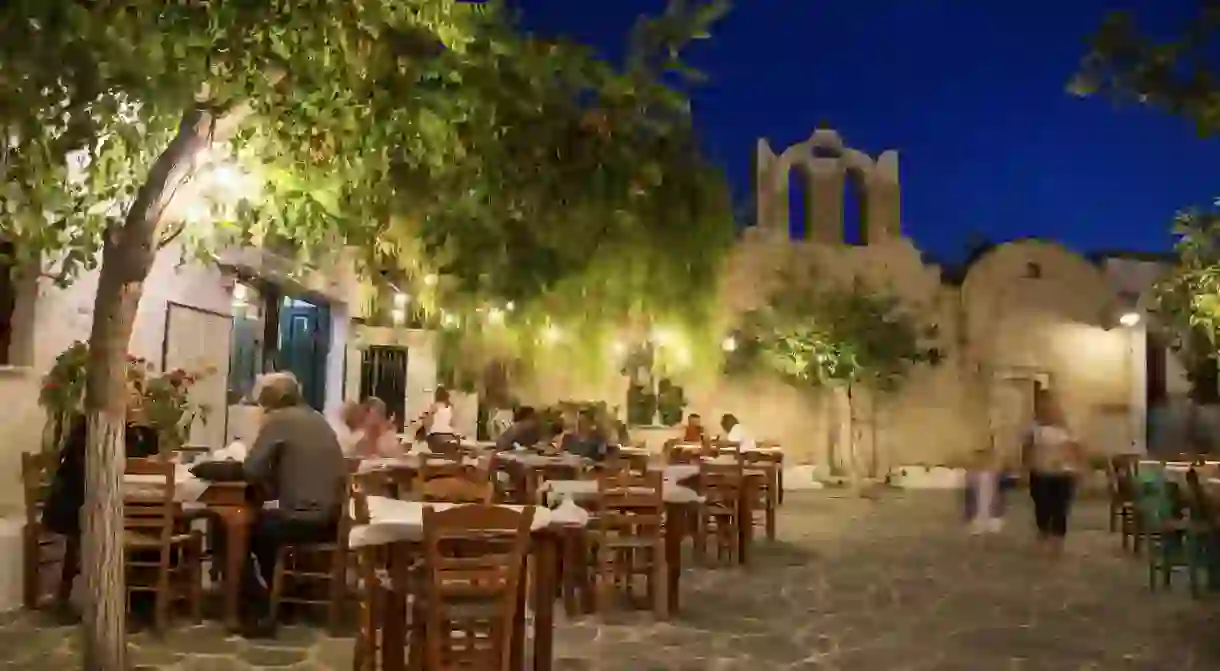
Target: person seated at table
584 440
438 423
736 432
692 431
297 460
62 512
526 430
378 435
364 431
349 428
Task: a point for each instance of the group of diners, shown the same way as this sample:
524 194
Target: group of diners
299 459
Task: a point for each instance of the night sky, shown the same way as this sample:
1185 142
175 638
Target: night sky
971 94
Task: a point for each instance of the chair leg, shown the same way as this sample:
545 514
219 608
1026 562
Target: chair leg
700 533
771 504
338 592
195 557
30 579
277 583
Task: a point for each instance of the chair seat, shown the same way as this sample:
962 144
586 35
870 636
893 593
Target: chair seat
139 540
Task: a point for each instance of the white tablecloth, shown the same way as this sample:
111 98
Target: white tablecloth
536 460
392 520
411 461
558 490
677 472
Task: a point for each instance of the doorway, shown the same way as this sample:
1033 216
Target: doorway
302 345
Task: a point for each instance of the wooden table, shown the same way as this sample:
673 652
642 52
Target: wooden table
228 501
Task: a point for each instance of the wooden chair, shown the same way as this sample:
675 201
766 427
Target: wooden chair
722 486
677 452
38 545
633 462
473 563
628 533
535 476
767 492
1123 515
305 566
464 484
157 558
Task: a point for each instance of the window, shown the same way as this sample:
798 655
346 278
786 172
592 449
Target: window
651 398
8 303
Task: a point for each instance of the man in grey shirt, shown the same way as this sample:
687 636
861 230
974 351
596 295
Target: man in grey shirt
296 459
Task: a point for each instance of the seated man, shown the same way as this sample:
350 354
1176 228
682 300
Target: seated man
526 430
297 460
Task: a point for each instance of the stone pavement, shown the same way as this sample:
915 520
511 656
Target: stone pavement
854 585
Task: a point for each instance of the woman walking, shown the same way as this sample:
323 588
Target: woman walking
1052 457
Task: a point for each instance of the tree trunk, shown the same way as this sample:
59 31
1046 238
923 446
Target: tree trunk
127 257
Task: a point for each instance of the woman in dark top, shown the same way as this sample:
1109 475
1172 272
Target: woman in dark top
61 515
586 441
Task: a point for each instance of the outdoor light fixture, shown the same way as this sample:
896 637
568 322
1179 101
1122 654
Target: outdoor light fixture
448 321
618 347
510 306
401 300
241 296
1129 319
495 316
661 336
430 279
729 344
551 334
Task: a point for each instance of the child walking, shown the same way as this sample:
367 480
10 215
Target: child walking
984 493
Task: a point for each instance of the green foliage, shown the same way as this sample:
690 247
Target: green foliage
1177 73
1188 298
429 134
833 335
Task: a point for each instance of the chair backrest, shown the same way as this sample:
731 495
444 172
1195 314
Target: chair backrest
452 481
721 484
677 452
1201 506
37 472
473 554
537 474
631 502
148 507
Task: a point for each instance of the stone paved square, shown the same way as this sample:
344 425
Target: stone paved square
894 584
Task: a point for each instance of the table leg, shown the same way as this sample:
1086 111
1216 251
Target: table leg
675 531
394 612
544 601
745 522
236 523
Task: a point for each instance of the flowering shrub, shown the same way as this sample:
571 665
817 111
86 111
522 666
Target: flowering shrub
159 400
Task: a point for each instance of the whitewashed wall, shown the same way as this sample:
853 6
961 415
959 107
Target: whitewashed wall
63 316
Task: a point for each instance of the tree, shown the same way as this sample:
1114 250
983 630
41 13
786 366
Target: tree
402 129
835 337
1178 73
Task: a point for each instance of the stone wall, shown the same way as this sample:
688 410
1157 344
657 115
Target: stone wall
1026 312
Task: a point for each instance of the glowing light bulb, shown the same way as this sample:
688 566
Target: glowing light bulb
495 316
398 315
430 279
1129 319
729 344
401 300
449 321
552 334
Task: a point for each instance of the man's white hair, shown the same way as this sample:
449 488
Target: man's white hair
277 390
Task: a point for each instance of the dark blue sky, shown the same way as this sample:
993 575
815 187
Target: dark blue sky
970 93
